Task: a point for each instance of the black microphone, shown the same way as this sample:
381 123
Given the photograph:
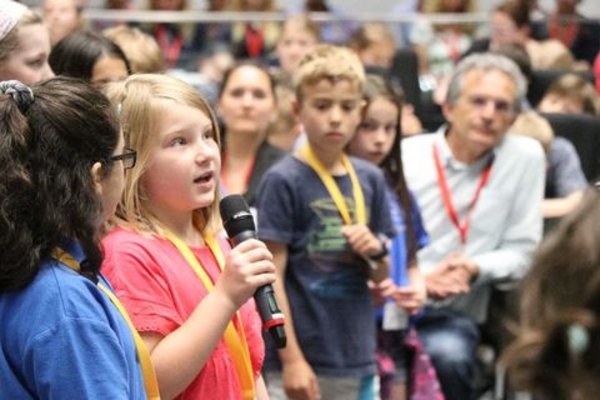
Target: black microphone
239 225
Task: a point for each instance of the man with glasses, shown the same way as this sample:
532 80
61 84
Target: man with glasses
480 193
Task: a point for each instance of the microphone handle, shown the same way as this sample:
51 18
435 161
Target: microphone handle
272 318
270 314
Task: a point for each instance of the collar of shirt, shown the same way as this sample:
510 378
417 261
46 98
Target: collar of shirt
73 248
452 164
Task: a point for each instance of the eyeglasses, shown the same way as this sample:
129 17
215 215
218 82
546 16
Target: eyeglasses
501 106
129 157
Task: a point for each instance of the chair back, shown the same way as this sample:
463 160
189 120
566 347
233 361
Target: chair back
584 132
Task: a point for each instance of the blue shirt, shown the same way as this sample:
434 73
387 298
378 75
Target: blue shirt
564 175
326 282
399 251
62 338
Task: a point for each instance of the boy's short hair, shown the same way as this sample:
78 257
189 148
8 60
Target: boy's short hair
328 62
532 124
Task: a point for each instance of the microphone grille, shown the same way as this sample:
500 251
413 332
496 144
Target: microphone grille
236 215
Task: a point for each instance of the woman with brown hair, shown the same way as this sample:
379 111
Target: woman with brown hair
557 349
62 330
246 105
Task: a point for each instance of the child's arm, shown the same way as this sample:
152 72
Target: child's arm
299 379
367 245
559 207
261 389
179 356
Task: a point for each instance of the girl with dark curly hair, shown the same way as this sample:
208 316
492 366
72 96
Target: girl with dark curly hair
62 333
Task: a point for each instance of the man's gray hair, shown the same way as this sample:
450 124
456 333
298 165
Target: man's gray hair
486 62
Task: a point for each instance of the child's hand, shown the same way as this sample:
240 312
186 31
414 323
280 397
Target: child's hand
362 240
300 381
248 266
412 297
380 291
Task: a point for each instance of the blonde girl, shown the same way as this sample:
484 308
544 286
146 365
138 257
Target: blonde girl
186 291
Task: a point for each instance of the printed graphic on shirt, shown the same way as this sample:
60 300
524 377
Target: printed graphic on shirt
343 272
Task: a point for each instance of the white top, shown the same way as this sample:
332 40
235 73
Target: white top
506 223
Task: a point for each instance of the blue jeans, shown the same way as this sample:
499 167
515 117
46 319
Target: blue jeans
451 341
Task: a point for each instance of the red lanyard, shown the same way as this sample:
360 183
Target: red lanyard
254 41
452 41
565 32
463 228
171 50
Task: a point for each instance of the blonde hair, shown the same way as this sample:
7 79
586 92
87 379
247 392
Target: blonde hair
137 101
370 33
11 41
142 50
328 62
549 54
530 123
302 22
575 87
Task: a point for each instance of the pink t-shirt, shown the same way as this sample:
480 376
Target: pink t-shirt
160 290
597 72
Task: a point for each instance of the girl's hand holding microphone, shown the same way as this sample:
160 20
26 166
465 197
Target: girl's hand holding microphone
248 266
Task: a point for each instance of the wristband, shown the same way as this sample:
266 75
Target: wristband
384 251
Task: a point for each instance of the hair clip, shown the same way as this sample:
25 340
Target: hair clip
578 337
20 93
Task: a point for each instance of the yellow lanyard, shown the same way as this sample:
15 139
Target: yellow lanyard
334 191
234 339
150 382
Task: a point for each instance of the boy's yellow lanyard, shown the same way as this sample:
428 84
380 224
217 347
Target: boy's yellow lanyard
150 382
334 191
234 339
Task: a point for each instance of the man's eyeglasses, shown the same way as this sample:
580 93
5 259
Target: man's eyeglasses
128 157
501 106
